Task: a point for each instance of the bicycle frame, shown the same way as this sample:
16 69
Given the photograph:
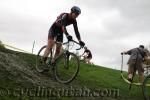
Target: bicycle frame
67 43
64 62
67 48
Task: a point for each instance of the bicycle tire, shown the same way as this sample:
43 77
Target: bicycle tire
39 68
146 89
61 72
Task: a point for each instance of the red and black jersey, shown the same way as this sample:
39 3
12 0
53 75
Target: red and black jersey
64 20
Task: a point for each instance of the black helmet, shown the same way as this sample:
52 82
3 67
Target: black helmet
141 46
76 10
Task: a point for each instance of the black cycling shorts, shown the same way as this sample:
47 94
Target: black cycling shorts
56 33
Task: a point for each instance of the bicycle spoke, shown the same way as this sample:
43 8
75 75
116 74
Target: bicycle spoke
66 68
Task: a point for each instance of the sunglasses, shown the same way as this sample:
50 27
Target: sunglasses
77 14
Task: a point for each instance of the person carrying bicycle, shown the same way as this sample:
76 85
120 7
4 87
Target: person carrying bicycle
59 27
87 55
135 62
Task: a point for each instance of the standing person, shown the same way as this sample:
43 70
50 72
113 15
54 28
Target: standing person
58 28
137 55
88 55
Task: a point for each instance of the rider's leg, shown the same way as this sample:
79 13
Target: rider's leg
88 59
50 44
131 70
51 35
58 49
141 78
84 58
59 39
140 72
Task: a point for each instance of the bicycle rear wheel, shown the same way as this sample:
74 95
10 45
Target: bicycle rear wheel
146 88
66 67
39 65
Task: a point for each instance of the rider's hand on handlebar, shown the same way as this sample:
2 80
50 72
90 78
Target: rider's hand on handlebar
69 37
123 53
82 43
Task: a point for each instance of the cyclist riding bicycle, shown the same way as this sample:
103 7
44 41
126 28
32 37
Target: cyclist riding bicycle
58 28
87 55
135 62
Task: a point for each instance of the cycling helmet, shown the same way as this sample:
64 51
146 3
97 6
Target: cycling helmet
141 46
76 10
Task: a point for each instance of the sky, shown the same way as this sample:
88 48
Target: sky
107 27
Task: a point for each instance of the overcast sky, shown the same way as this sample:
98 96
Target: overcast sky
108 27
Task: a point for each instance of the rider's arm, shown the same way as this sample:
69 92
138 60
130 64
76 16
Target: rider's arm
63 23
76 30
65 30
127 52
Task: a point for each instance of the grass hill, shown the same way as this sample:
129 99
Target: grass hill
20 81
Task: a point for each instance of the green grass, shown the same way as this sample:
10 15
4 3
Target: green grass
89 77
100 77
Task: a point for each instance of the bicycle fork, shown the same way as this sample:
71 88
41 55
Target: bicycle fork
66 58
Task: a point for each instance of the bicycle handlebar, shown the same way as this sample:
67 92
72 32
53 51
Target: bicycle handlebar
74 42
78 44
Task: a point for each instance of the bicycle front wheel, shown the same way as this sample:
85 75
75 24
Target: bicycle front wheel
146 88
66 67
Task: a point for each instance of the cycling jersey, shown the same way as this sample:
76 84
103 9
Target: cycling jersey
136 53
63 20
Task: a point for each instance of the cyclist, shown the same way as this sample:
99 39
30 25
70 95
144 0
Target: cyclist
88 55
137 55
58 28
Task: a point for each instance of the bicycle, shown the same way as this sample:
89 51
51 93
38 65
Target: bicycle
66 65
146 88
